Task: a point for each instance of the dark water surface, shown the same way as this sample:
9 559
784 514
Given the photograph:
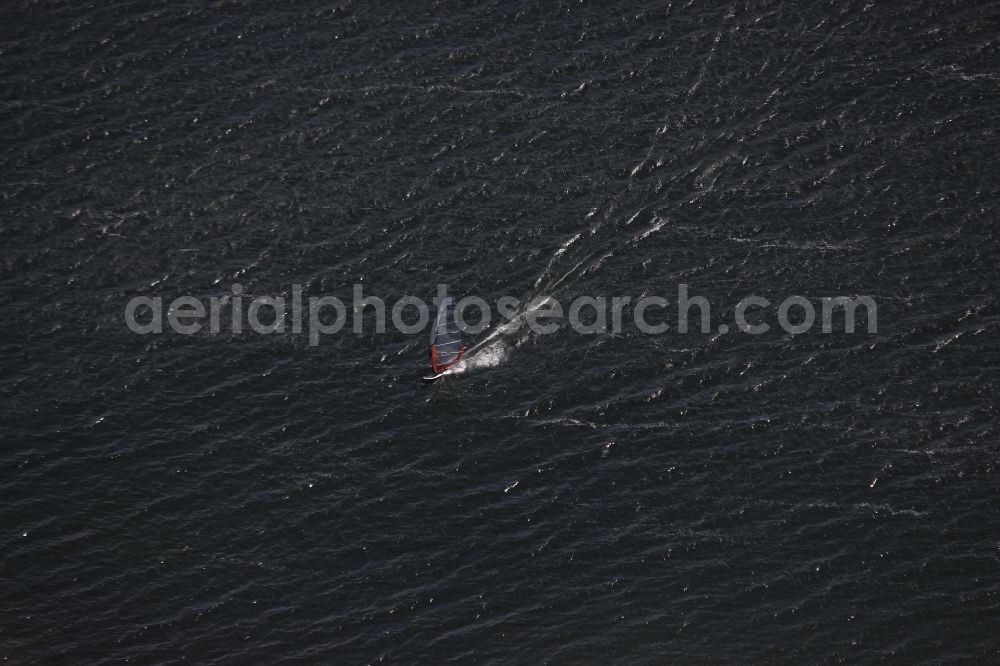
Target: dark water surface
604 499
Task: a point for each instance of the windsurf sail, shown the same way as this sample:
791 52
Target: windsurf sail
446 339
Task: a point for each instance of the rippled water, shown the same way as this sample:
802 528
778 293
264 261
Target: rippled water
617 498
